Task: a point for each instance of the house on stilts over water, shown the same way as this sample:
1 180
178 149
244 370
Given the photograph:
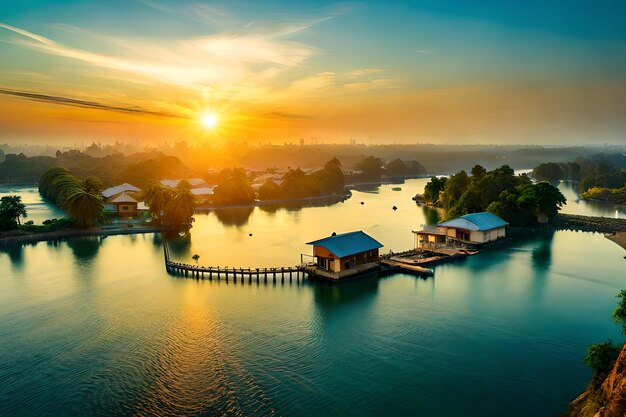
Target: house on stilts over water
471 229
345 255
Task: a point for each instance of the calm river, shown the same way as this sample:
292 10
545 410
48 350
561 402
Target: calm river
96 326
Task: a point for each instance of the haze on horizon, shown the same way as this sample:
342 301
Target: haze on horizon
412 71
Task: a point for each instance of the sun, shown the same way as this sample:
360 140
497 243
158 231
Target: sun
209 120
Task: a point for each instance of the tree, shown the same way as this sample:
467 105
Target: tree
11 209
602 356
478 171
619 314
543 198
433 188
156 197
179 208
396 168
84 206
371 168
454 189
195 257
270 191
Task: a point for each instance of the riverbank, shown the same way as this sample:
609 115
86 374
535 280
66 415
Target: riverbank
588 223
22 237
328 198
619 238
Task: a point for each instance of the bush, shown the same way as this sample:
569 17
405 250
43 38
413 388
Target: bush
602 356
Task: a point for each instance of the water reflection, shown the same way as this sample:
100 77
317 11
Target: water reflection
179 246
234 217
331 295
367 188
84 248
15 254
542 253
432 215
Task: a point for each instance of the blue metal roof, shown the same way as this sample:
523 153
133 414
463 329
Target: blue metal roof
347 244
476 221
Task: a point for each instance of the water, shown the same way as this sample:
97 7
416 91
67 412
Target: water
95 326
588 207
38 210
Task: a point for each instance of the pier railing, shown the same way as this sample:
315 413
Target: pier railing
225 273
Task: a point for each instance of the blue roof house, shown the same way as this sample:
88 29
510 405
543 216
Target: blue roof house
474 229
344 255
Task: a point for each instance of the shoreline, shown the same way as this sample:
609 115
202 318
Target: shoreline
69 233
619 238
260 203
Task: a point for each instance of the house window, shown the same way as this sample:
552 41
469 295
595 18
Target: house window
124 208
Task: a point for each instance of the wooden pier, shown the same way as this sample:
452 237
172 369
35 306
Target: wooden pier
234 274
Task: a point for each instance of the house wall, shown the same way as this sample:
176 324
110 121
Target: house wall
357 259
126 208
488 236
336 264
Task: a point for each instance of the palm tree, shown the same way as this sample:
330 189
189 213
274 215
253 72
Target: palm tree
84 206
195 257
178 211
12 208
156 199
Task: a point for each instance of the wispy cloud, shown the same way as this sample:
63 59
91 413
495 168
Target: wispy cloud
363 72
68 101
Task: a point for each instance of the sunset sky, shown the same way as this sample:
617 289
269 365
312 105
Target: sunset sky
535 72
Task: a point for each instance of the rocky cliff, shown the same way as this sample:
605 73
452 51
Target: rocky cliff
605 396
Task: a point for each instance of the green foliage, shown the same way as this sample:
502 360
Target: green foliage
50 225
11 209
514 198
550 172
81 199
433 188
171 207
454 189
478 171
599 172
85 206
619 314
614 195
327 181
602 356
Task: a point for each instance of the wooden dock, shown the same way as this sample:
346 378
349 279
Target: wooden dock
407 266
234 274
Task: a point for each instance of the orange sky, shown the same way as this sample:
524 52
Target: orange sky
335 72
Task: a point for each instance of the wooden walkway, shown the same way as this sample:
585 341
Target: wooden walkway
225 273
407 266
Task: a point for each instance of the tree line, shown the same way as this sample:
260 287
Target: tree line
514 198
602 176
81 199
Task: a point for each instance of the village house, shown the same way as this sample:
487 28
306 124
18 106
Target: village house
472 229
199 188
344 255
121 199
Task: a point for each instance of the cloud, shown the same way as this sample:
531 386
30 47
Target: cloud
363 72
67 101
201 61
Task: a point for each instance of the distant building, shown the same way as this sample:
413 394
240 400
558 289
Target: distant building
199 187
474 229
110 192
344 255
122 199
122 204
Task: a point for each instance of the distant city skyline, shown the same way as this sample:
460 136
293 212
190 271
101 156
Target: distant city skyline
156 71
